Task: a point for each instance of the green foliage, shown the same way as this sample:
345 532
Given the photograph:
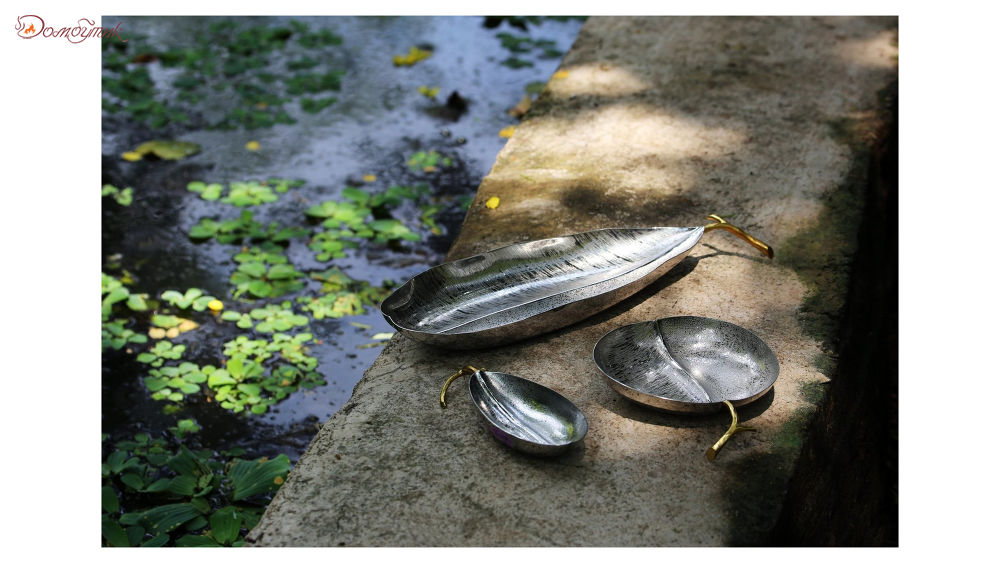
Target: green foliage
254 378
226 60
331 244
155 494
313 83
319 38
209 192
316 105
172 383
193 298
514 62
114 291
262 280
270 318
427 161
545 48
184 427
244 194
115 335
344 296
353 218
123 197
243 228
162 351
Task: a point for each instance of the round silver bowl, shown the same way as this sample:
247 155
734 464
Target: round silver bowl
688 365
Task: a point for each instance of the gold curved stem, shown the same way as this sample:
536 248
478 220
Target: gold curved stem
735 427
723 224
467 370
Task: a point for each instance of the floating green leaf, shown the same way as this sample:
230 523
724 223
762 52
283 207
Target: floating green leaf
250 478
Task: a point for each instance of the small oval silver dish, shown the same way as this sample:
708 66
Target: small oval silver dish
522 414
530 288
688 365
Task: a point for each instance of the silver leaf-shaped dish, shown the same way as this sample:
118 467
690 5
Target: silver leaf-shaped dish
522 414
530 288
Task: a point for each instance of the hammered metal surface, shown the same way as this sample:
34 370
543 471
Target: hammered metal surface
525 415
686 364
525 289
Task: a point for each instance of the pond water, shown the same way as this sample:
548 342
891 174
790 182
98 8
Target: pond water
365 140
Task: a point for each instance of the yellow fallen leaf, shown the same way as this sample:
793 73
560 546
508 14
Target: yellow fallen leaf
186 325
430 169
173 332
253 146
368 177
507 132
215 305
493 202
157 333
428 91
131 156
415 55
561 74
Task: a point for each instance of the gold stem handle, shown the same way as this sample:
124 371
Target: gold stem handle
467 370
735 427
723 224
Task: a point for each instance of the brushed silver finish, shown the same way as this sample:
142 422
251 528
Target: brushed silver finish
686 364
525 415
530 288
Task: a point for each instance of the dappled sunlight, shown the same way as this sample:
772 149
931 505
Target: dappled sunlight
626 135
878 51
597 79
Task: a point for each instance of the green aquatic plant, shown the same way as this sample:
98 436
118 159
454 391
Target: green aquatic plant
316 105
174 382
331 244
339 213
333 305
244 194
243 228
185 426
193 298
226 59
314 39
209 192
427 161
251 382
269 318
115 335
154 493
313 83
122 196
267 252
162 351
231 230
113 291
262 280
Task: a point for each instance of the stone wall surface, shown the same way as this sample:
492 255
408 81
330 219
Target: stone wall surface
650 122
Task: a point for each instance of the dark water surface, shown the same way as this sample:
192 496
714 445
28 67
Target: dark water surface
379 120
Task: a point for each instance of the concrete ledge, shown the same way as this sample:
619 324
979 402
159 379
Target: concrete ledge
660 121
